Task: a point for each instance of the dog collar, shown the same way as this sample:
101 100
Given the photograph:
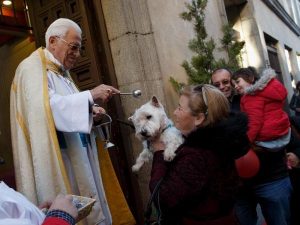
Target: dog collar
169 126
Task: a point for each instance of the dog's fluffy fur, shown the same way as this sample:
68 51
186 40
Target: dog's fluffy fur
151 122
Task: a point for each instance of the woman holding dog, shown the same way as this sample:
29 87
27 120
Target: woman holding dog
198 187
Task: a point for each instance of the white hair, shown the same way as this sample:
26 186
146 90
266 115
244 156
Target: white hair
59 28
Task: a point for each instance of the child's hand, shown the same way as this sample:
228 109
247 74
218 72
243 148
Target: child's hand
292 160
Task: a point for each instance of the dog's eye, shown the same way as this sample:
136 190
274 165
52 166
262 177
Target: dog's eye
148 117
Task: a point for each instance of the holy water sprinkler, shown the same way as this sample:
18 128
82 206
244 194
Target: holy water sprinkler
135 93
103 131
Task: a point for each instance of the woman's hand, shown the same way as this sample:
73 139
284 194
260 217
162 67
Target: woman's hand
157 145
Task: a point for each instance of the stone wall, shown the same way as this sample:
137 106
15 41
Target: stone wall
149 42
253 25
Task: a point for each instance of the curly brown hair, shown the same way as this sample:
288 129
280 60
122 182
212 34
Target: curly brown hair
249 74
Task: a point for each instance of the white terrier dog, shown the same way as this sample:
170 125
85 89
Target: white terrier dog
151 122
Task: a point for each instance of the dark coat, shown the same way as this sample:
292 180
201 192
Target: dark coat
294 146
234 102
295 103
199 185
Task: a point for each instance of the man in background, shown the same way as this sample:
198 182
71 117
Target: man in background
221 78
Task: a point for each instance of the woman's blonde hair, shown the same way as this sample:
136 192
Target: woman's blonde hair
209 100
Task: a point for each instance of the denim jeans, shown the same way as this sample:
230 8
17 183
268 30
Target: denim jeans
274 199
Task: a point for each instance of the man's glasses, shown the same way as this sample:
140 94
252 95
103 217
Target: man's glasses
223 82
72 47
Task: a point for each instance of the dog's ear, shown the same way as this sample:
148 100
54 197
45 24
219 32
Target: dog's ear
155 102
130 118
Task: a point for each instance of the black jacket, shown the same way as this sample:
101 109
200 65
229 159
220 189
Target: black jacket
295 103
235 102
229 137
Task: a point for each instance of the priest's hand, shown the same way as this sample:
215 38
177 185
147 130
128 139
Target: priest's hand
98 112
103 92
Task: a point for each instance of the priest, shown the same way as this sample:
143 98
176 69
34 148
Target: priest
51 122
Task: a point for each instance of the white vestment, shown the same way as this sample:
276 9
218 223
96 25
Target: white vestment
15 209
44 166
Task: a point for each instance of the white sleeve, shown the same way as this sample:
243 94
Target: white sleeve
16 222
15 209
71 112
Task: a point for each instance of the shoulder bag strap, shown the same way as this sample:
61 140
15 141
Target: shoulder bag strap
148 212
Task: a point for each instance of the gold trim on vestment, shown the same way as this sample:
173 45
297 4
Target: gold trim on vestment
14 87
24 128
54 67
51 121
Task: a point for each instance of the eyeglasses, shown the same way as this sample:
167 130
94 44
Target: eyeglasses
72 47
223 82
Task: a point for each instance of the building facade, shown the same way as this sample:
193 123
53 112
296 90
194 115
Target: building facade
140 44
270 29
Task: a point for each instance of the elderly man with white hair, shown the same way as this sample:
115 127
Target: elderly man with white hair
51 122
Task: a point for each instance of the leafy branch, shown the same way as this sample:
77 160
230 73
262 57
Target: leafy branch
203 63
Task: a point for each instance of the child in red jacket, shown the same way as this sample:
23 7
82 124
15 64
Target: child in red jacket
263 99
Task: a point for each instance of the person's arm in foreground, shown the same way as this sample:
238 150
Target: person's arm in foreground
61 212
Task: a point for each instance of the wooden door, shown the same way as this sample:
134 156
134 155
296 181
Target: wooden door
44 12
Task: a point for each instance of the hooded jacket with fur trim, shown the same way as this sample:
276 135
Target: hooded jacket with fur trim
263 103
201 182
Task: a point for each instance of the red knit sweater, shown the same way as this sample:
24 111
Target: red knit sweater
55 221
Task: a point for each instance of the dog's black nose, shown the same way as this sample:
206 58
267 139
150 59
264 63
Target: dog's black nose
144 133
